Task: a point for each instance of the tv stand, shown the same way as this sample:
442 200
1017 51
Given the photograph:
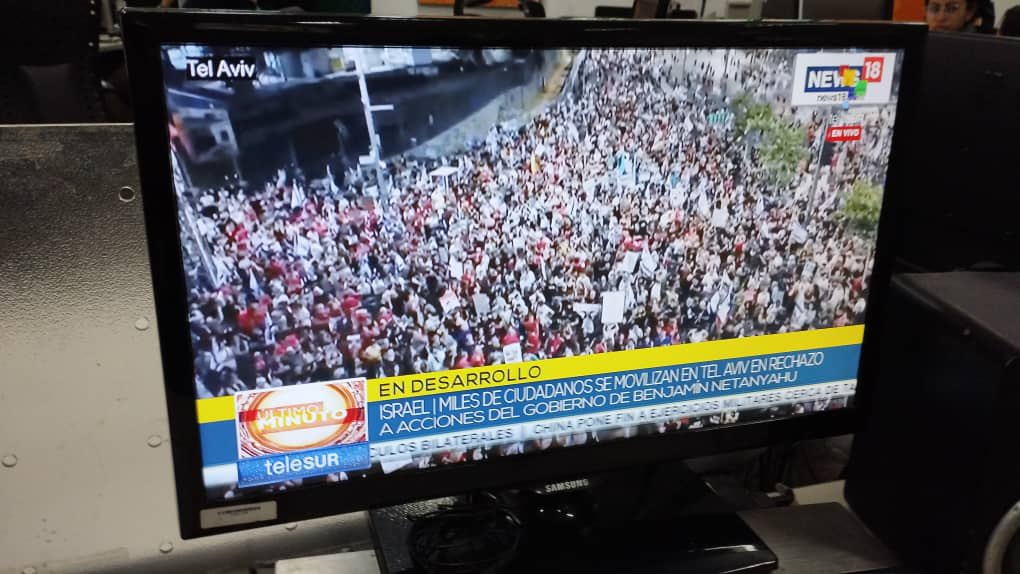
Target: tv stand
657 518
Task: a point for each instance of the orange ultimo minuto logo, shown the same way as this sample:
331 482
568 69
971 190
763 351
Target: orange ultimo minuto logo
300 417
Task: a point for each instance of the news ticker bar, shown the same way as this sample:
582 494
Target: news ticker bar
418 385
596 383
302 464
391 452
609 420
466 410
220 409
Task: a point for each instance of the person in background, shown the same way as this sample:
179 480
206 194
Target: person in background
985 17
952 15
1011 23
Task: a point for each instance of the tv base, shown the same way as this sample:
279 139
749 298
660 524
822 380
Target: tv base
660 518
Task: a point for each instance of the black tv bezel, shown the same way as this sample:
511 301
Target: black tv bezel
145 30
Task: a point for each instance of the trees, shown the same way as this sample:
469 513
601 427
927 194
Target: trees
750 117
782 145
783 148
862 206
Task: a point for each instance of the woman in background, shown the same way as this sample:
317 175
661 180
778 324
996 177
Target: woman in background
960 15
952 15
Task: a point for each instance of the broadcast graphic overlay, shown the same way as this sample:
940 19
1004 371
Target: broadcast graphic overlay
324 422
823 79
402 258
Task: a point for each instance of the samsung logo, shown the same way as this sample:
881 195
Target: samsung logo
566 486
226 68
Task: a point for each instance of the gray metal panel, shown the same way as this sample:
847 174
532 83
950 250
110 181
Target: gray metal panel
818 539
988 302
81 390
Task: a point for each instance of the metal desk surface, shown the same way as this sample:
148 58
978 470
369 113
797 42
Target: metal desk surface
819 535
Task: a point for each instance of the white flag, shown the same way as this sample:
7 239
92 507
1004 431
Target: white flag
332 180
297 196
613 304
268 333
649 262
512 353
253 282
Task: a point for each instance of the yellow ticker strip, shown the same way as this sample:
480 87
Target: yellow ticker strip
215 410
419 385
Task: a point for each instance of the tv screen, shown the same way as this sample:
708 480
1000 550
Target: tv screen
401 258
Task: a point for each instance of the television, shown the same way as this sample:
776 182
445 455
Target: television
395 259
828 9
836 10
938 233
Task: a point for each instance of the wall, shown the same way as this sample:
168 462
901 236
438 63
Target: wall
86 483
1001 6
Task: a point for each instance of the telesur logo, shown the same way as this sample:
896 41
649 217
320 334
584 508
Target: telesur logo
226 68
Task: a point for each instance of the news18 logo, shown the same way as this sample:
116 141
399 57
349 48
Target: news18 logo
833 78
851 80
301 417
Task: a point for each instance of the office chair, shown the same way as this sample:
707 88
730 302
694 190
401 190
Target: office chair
48 62
530 8
681 14
1010 22
613 11
459 5
986 11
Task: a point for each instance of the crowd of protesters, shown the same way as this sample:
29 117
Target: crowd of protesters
617 218
622 215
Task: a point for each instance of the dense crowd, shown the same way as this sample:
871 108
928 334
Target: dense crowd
617 218
624 190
